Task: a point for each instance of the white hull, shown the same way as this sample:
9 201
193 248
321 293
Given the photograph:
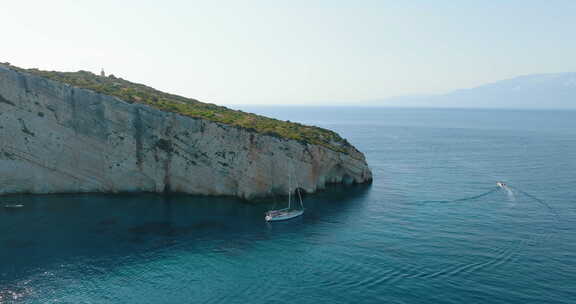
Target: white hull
14 206
283 215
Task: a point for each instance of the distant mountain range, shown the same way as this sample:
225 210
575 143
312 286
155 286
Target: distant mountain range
537 91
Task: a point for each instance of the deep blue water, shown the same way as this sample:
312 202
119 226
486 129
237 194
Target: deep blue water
432 228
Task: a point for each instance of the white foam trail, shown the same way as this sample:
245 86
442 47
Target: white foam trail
510 194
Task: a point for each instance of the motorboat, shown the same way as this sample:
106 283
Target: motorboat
13 206
501 184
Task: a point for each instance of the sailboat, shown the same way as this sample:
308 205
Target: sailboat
286 213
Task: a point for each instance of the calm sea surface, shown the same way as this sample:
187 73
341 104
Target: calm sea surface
433 227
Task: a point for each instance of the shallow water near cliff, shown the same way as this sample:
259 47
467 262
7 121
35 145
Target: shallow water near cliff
433 227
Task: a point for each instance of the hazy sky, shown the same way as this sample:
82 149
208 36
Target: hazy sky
293 52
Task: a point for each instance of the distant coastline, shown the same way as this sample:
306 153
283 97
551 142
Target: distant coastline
536 91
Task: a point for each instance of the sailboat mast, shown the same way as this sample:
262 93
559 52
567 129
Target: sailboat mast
289 189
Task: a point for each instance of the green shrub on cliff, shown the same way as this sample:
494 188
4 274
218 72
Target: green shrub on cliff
139 93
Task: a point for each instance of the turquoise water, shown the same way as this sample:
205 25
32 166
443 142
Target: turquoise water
432 228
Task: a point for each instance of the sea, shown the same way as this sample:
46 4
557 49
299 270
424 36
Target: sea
433 227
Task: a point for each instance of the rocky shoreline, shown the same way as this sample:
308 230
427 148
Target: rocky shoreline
56 138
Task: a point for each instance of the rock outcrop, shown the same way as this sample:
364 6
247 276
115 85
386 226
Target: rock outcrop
55 138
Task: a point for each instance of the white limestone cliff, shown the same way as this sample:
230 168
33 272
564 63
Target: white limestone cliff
55 138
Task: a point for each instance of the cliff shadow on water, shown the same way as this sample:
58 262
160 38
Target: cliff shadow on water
110 230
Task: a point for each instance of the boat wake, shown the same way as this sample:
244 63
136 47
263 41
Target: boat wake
401 273
469 198
510 194
512 197
536 199
500 257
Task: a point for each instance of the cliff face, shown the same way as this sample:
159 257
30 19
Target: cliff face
55 138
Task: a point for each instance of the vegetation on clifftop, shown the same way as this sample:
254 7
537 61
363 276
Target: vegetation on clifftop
138 93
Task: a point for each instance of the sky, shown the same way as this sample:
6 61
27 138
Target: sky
293 52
